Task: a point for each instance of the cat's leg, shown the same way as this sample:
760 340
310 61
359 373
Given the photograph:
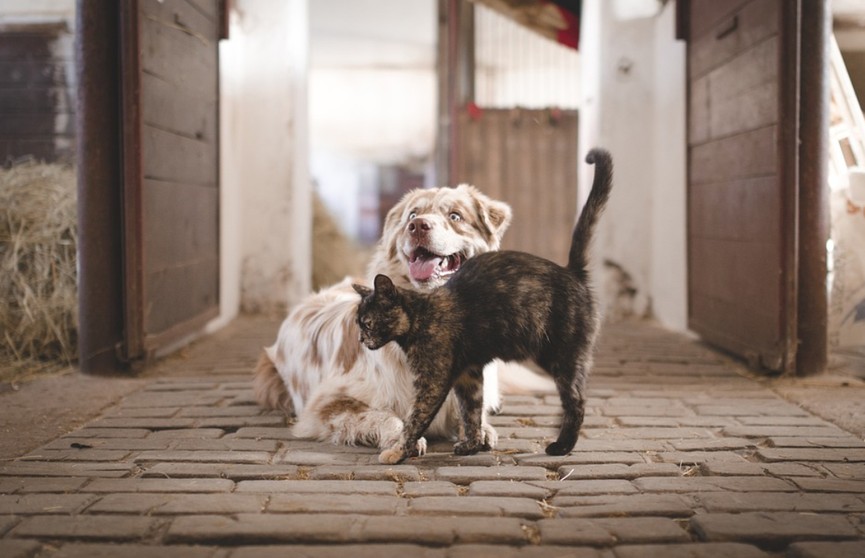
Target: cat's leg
570 379
431 388
469 391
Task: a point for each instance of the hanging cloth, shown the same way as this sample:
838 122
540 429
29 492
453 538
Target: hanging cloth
558 20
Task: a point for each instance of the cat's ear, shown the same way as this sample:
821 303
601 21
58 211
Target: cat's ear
361 290
384 286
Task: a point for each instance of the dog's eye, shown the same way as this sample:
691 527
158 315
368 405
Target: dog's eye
412 215
456 216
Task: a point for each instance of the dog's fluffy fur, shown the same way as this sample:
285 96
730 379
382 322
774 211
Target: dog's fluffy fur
317 369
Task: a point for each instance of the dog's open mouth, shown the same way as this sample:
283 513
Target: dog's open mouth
424 265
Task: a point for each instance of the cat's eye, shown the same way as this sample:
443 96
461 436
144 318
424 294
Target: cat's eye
455 216
412 215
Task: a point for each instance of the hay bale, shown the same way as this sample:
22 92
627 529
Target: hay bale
38 243
334 254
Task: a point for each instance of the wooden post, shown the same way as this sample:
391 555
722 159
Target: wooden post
812 354
100 276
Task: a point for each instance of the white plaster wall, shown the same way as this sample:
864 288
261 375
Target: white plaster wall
19 11
633 82
265 214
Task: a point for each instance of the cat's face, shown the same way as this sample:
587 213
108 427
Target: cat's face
381 317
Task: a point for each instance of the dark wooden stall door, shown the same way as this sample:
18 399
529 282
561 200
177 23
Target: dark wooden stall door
742 177
171 169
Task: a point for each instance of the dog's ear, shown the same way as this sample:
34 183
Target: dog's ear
495 215
361 290
384 286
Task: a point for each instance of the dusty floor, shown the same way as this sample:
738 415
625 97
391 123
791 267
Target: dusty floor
683 454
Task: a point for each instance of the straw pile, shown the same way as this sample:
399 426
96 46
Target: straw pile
38 297
334 255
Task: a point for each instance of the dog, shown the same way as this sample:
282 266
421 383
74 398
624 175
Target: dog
339 391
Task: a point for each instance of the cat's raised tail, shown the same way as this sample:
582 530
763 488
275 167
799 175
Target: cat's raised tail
601 186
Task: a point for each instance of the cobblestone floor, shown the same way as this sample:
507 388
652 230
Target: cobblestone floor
680 456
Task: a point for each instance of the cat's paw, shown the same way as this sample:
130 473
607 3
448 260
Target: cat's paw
392 456
490 437
467 447
421 446
557 448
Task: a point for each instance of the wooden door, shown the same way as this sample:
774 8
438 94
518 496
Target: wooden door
743 177
527 158
171 169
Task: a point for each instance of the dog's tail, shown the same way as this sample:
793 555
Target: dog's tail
595 203
269 389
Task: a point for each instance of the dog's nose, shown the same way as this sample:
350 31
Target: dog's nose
418 226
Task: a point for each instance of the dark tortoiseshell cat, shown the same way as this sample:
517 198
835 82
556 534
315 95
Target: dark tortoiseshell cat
506 305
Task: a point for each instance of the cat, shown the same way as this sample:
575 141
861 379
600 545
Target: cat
506 305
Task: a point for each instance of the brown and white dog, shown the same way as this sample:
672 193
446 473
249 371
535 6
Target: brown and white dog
346 394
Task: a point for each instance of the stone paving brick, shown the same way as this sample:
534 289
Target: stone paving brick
618 471
204 456
159 485
531 410
712 444
168 384
331 457
846 470
696 550
709 484
225 444
672 422
831 485
240 422
318 487
629 505
781 501
467 475
111 550
328 528
815 442
265 433
607 531
580 458
193 433
84 454
37 469
499 506
845 549
33 504
605 445
369 504
18 549
131 444
26 485
784 421
237 411
821 454
155 504
174 399
512 446
6 523
233 471
85 527
672 409
90 432
483 551
699 457
143 412
771 527
369 472
430 488
344 551
745 468
149 423
788 431
596 487
508 488
648 433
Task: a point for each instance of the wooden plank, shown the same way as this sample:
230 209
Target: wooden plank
732 263
755 22
173 158
706 14
180 293
179 220
735 210
29 73
745 155
36 124
35 99
175 109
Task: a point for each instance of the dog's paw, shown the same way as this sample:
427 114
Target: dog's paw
490 437
392 456
390 432
421 446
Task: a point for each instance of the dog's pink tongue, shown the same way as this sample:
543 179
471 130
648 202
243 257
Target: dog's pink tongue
422 269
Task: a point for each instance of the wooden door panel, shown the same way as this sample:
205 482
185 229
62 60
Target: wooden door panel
172 170
740 278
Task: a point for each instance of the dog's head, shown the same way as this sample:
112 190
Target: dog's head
430 233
